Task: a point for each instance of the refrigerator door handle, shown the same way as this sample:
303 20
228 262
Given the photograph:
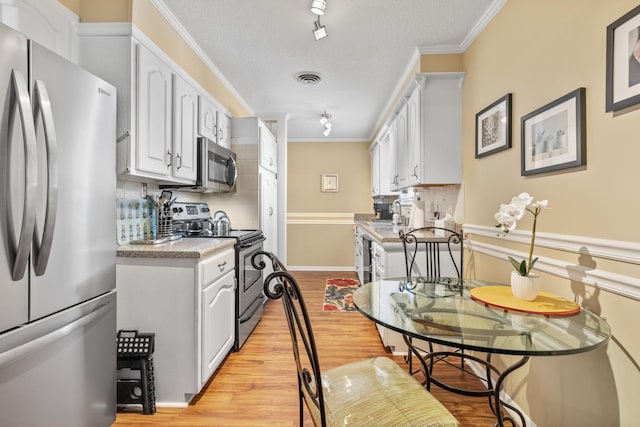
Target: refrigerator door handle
23 105
42 248
39 343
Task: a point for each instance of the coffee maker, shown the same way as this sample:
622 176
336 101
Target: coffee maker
382 210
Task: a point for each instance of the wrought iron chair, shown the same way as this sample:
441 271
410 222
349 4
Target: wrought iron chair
423 248
430 253
369 392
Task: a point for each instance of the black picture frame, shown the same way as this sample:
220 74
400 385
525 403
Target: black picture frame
554 136
623 61
493 127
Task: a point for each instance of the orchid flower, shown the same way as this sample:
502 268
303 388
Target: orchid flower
507 218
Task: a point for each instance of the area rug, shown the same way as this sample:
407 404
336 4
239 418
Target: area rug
338 294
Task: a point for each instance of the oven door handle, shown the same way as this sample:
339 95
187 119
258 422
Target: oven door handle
244 245
257 307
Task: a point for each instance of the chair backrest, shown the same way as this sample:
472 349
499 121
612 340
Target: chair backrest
280 284
433 252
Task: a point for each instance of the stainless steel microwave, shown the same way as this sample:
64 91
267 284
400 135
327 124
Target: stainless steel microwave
216 172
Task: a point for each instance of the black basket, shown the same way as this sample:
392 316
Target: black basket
132 344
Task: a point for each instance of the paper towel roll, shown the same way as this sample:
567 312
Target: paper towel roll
418 214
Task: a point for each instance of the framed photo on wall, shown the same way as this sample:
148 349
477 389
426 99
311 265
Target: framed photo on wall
554 136
329 182
623 61
493 127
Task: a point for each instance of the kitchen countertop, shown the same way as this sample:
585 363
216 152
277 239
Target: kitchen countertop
385 232
187 247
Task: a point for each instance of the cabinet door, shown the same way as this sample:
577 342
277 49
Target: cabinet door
224 129
218 333
269 210
374 154
402 163
154 114
268 149
185 116
413 137
392 146
207 118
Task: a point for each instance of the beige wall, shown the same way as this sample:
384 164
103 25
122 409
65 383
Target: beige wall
539 51
323 239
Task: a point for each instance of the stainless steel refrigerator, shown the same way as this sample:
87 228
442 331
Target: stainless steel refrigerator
57 243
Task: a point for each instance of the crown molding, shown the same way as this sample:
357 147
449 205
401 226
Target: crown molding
179 28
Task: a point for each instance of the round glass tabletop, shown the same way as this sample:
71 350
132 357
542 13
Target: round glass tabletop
442 311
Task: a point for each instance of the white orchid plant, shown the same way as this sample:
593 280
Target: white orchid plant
507 218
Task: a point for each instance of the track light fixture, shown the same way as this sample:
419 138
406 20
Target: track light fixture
320 31
324 121
318 6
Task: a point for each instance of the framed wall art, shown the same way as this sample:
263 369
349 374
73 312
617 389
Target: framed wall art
554 137
329 182
623 61
493 127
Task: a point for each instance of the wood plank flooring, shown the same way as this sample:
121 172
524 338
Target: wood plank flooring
257 385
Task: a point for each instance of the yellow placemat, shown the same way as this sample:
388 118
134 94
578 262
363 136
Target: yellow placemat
545 303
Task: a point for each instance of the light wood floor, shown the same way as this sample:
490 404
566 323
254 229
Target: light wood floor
257 385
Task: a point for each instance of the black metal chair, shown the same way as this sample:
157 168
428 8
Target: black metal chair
423 250
365 393
430 253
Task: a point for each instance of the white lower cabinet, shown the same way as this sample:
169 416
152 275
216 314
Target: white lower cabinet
188 303
217 323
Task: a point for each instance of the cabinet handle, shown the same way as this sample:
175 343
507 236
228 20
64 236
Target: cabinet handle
179 161
169 162
221 266
415 171
270 211
220 135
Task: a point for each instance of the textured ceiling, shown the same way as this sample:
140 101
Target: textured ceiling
259 46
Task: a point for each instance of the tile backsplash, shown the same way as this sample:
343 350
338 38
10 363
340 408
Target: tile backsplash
135 220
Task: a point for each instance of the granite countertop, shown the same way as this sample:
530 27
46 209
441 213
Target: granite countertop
191 247
385 232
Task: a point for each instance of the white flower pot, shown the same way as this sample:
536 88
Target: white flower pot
525 287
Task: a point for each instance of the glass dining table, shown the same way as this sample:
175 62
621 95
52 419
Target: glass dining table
451 324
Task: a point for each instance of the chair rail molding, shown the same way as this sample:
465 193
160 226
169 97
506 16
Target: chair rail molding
326 218
601 248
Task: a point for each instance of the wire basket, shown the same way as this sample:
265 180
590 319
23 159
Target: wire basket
163 221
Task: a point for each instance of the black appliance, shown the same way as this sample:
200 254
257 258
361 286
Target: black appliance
194 220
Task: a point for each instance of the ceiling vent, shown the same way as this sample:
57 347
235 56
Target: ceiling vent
308 78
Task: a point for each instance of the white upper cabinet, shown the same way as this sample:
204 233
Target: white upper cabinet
224 129
154 149
374 154
207 121
185 116
401 179
392 147
161 109
426 132
268 149
213 123
435 129
381 168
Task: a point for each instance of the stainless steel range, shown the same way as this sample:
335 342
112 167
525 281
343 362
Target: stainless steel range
195 220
